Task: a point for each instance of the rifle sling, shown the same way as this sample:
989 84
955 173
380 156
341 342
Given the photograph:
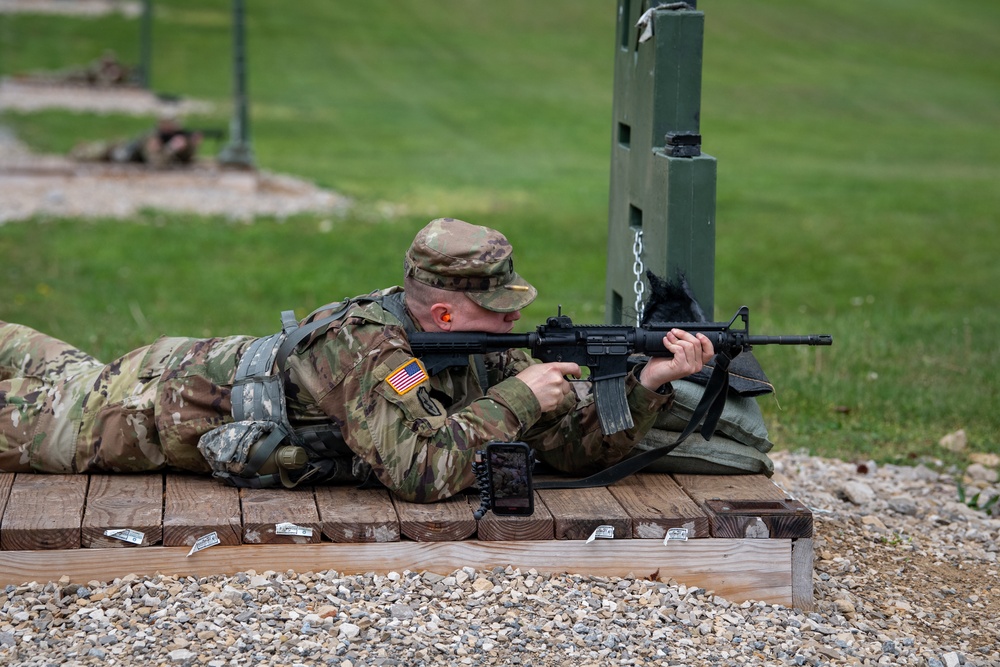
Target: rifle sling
709 407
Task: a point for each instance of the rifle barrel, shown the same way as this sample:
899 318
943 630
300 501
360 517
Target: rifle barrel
811 339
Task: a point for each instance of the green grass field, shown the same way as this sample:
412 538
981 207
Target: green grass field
858 191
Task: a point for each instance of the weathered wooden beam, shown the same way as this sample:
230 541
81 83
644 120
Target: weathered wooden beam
130 505
449 520
738 570
280 516
747 506
44 512
802 574
538 526
656 504
6 481
348 514
578 512
194 507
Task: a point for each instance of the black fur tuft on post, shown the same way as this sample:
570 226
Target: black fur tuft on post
673 301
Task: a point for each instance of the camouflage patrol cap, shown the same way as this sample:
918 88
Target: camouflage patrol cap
453 255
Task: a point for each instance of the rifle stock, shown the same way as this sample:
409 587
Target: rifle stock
604 349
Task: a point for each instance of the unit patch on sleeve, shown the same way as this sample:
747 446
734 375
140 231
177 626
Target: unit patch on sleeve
407 376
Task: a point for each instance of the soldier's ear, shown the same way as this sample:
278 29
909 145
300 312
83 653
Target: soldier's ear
442 314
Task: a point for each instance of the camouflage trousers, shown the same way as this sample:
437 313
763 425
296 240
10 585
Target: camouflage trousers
52 395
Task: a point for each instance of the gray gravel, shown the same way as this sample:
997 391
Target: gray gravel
906 577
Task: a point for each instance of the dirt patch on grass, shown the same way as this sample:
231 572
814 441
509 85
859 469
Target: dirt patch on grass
54 185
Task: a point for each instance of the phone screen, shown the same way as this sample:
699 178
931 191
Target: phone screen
509 467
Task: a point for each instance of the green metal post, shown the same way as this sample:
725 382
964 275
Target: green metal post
238 151
661 213
145 44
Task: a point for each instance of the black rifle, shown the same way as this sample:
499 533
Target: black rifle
605 350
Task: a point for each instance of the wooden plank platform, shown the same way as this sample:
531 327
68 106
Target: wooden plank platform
123 503
737 535
196 506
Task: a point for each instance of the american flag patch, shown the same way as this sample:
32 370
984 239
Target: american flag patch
407 376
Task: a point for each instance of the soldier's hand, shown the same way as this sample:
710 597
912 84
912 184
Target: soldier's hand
548 382
690 354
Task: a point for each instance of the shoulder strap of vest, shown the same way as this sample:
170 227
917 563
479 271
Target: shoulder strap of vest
253 397
395 305
298 334
481 374
256 395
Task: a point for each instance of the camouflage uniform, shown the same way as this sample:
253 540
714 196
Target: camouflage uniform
62 411
166 145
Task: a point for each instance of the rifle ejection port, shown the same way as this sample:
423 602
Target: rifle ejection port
604 342
617 349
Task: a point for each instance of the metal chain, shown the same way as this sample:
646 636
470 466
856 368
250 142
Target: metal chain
637 270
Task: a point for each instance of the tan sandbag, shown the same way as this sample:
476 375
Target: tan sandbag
718 456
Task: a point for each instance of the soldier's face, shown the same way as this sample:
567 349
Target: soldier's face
470 316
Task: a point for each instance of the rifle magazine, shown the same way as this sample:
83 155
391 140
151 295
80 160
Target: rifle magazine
612 405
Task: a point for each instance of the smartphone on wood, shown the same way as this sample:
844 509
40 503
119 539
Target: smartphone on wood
508 465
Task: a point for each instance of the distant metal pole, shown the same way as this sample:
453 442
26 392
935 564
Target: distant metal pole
238 151
145 43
